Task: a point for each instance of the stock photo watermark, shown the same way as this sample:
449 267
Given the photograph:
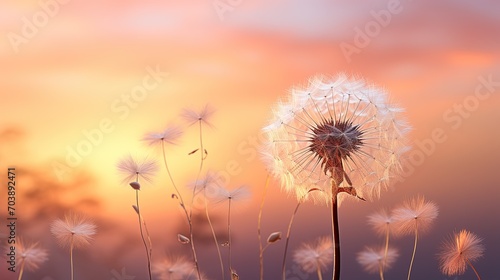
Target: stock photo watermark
31 25
120 108
122 275
363 36
222 7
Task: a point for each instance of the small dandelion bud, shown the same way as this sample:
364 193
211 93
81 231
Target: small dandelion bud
136 186
192 152
174 196
182 239
274 237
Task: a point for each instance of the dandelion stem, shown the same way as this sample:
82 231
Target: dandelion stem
261 250
336 237
71 256
414 249
21 270
386 249
215 237
381 269
193 250
229 235
318 270
473 268
288 232
148 252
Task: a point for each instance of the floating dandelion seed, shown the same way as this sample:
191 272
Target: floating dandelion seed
378 260
30 256
338 135
203 115
413 217
173 268
382 222
169 135
460 250
133 169
315 257
74 231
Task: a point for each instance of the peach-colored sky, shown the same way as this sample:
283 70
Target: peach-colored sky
77 70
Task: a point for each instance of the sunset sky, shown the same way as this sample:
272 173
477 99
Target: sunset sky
81 83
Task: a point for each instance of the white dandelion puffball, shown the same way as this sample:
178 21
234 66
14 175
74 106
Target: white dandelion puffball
339 135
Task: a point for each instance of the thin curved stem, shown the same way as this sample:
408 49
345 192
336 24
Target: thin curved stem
148 254
414 249
229 235
473 268
21 270
318 270
71 256
386 249
381 269
188 218
289 230
215 239
261 250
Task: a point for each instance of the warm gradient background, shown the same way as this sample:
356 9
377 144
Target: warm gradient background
75 69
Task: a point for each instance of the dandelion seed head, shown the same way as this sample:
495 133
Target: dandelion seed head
310 256
335 129
173 268
372 258
381 221
132 169
239 194
30 254
74 229
460 249
414 214
203 115
169 135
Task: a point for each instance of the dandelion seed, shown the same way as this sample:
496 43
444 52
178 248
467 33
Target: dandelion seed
73 231
460 250
173 268
382 222
338 135
316 256
169 135
203 115
30 256
414 214
413 217
376 260
133 169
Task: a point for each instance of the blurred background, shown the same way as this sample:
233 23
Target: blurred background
81 82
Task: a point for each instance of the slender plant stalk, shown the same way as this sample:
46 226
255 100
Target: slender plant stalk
21 270
381 269
148 252
414 249
71 256
318 270
261 250
229 235
473 268
215 238
386 249
336 237
183 206
288 232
